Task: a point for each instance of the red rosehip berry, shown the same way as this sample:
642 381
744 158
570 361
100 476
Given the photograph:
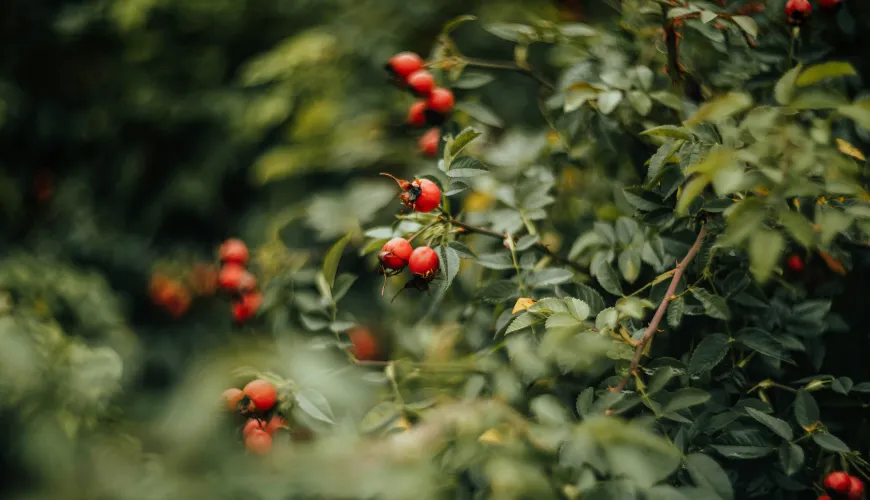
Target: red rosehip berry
262 393
429 142
422 195
253 425
797 11
232 397
423 262
795 263
404 63
441 100
230 276
829 4
275 424
838 482
421 82
247 282
365 346
234 251
258 442
417 114
395 253
824 497
856 488
246 307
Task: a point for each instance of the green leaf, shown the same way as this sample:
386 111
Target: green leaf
549 277
315 405
499 291
592 298
709 353
791 458
511 32
779 427
747 24
629 264
527 242
607 318
784 90
707 474
379 417
691 190
607 278
858 111
524 320
500 261
641 199
658 160
842 385
685 398
448 261
816 73
473 80
833 222
798 226
742 452
765 250
670 131
721 108
806 410
762 342
562 320
609 100
676 309
577 95
480 113
466 166
714 305
830 442
640 101
454 23
577 30
577 308
463 139
333 256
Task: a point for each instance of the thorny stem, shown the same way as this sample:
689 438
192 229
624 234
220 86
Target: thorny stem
481 63
660 312
537 246
672 44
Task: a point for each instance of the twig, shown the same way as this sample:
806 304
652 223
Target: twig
660 312
480 63
672 44
537 246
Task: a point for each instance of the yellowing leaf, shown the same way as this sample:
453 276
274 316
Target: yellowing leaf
491 436
821 72
849 149
833 263
721 107
522 304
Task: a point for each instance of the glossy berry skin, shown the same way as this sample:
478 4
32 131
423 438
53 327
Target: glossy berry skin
253 425
429 142
404 63
856 488
421 82
838 482
231 276
424 262
417 114
428 198
830 4
258 442
245 308
263 394
275 424
795 263
797 11
232 397
233 251
441 100
395 254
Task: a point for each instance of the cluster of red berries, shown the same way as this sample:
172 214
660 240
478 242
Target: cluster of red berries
798 11
842 486
435 103
423 262
795 263
173 291
257 402
235 279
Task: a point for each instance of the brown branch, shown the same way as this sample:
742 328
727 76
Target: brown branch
660 312
537 246
672 44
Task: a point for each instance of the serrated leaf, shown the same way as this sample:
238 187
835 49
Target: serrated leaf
315 405
480 113
455 187
607 278
791 458
707 474
592 298
511 31
577 308
657 161
641 199
524 320
779 427
691 190
466 166
449 264
816 73
499 291
709 353
721 108
806 410
549 277
747 24
463 139
685 398
742 452
333 256
762 342
561 320
675 312
527 242
830 442
629 265
463 251
522 304
714 305
670 131
499 261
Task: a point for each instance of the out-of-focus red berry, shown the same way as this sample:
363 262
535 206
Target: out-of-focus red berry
246 307
798 11
404 63
233 251
429 142
253 425
417 114
441 100
856 488
365 346
838 482
262 393
258 442
275 424
232 397
795 263
231 276
421 82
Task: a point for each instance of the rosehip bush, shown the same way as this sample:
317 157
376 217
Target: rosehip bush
627 261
